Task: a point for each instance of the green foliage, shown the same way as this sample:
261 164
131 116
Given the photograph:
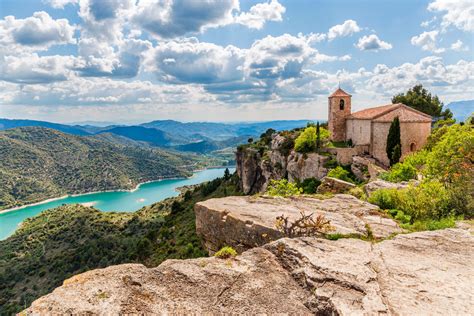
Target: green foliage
72 239
393 148
266 137
307 140
420 99
429 200
225 253
358 193
432 224
283 188
340 173
309 185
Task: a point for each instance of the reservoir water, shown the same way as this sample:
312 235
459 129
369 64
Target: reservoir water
121 201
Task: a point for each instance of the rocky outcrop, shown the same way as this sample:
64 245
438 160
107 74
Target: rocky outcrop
412 274
333 185
245 222
360 167
378 184
256 167
305 166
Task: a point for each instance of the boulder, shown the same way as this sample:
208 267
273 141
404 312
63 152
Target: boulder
244 222
333 185
304 166
374 171
360 167
373 186
411 274
253 283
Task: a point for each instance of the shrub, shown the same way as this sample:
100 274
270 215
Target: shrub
432 224
385 198
225 253
283 188
393 148
358 193
309 185
307 140
306 225
340 173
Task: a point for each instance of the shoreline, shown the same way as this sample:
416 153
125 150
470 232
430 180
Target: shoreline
16 208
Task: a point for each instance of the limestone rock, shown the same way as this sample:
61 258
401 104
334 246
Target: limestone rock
333 185
360 167
249 170
373 186
304 166
245 222
413 274
374 171
253 283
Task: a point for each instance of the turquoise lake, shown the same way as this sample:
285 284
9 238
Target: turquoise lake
121 201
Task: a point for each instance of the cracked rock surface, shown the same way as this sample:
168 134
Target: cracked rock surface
244 222
413 274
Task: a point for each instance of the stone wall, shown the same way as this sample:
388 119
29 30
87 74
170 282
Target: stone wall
379 142
413 133
358 131
344 155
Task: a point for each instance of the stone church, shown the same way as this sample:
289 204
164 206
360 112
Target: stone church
369 128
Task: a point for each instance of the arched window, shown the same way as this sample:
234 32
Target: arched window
412 147
341 105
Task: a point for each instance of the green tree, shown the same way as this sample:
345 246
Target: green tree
226 174
318 137
306 141
420 99
394 142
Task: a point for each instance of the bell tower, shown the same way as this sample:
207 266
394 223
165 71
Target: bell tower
339 108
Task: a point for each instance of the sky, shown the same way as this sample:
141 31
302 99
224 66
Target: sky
131 61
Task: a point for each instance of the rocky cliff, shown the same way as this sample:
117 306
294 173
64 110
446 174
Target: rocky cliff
412 274
257 166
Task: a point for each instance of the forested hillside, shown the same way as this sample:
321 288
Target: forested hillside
62 242
39 163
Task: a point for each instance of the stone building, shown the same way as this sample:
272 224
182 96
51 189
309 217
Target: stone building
370 127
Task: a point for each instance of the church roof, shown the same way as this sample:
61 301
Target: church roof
386 113
340 93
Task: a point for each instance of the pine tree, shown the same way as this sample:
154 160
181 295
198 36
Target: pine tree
226 174
394 142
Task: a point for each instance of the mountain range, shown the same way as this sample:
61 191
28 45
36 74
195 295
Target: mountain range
461 109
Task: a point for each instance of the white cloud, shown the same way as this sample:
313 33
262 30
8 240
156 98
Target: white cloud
347 28
260 13
459 46
458 13
427 41
60 4
37 32
33 69
372 42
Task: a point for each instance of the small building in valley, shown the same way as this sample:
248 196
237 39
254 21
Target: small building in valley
369 127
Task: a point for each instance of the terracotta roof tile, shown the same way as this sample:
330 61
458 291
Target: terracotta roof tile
387 113
340 93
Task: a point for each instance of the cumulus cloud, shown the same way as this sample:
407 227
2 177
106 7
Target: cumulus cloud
427 41
347 28
372 42
457 13
260 13
33 69
459 46
190 61
38 32
60 4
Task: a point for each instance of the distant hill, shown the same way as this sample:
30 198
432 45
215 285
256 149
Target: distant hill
39 163
74 130
461 109
208 146
151 136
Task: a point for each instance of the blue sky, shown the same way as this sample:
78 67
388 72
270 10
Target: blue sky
132 61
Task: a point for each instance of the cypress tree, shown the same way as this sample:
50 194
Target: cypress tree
318 137
394 144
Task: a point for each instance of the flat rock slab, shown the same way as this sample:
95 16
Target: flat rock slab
244 222
428 273
253 283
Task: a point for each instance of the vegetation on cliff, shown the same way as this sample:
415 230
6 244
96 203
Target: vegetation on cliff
39 163
62 242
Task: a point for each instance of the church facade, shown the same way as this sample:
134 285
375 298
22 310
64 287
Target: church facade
370 127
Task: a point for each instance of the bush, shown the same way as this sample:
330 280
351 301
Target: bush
309 185
283 188
340 173
358 193
225 253
429 200
306 141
